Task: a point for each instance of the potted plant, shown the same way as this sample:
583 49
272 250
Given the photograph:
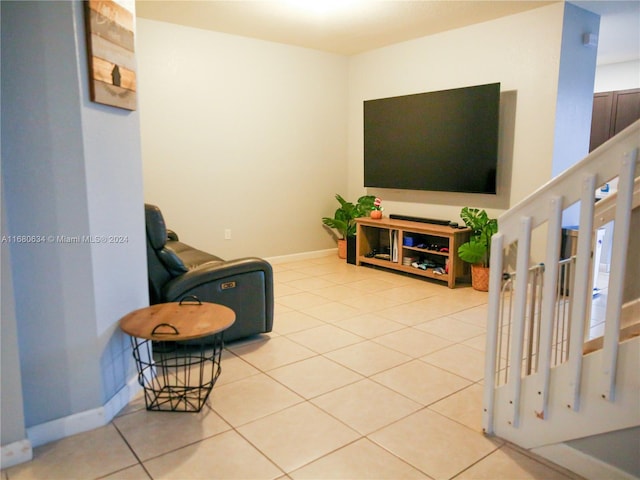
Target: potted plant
343 222
477 251
376 211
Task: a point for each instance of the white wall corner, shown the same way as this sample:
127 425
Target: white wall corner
16 453
579 462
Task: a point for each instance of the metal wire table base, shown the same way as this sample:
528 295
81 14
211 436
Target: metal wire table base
178 376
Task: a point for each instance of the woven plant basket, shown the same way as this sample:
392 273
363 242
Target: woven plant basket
480 278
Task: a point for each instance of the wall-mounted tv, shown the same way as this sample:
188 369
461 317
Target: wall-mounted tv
442 141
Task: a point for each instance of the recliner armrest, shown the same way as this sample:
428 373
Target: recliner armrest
214 271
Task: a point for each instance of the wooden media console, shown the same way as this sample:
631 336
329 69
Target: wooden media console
423 249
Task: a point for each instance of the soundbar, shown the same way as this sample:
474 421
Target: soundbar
434 221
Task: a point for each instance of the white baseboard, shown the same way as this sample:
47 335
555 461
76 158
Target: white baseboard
83 421
122 398
295 257
578 462
16 453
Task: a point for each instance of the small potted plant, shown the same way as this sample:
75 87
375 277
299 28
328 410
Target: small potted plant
477 251
376 211
343 222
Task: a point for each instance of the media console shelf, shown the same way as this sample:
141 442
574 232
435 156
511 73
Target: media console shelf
412 247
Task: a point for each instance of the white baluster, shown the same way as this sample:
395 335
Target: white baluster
616 279
514 382
549 300
581 292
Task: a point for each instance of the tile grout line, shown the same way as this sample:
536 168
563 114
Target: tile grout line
132 451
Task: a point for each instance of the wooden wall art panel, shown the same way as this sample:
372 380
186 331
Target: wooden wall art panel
110 40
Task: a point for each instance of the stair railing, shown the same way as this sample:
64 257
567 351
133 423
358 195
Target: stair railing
552 322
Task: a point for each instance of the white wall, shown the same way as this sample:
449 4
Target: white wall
522 52
241 134
617 76
257 137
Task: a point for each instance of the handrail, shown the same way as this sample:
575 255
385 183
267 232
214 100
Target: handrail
616 158
569 183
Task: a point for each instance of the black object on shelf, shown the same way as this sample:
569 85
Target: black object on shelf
434 221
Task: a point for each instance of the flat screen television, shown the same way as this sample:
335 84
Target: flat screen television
441 141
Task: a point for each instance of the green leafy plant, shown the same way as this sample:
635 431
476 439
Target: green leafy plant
366 203
343 220
477 250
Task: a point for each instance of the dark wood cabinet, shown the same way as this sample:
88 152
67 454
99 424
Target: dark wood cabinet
612 113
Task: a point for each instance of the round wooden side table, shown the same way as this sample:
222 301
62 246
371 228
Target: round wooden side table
177 347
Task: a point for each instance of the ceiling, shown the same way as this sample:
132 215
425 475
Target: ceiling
349 27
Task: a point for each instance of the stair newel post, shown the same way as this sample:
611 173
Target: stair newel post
495 286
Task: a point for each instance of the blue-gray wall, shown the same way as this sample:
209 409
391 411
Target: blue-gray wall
69 167
618 448
575 94
12 423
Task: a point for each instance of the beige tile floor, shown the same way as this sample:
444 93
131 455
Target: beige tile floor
367 375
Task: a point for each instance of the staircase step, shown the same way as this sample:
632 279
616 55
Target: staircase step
630 331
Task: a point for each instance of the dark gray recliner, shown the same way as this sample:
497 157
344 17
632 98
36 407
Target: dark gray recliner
177 270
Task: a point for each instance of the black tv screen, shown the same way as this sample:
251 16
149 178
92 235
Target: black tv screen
442 141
